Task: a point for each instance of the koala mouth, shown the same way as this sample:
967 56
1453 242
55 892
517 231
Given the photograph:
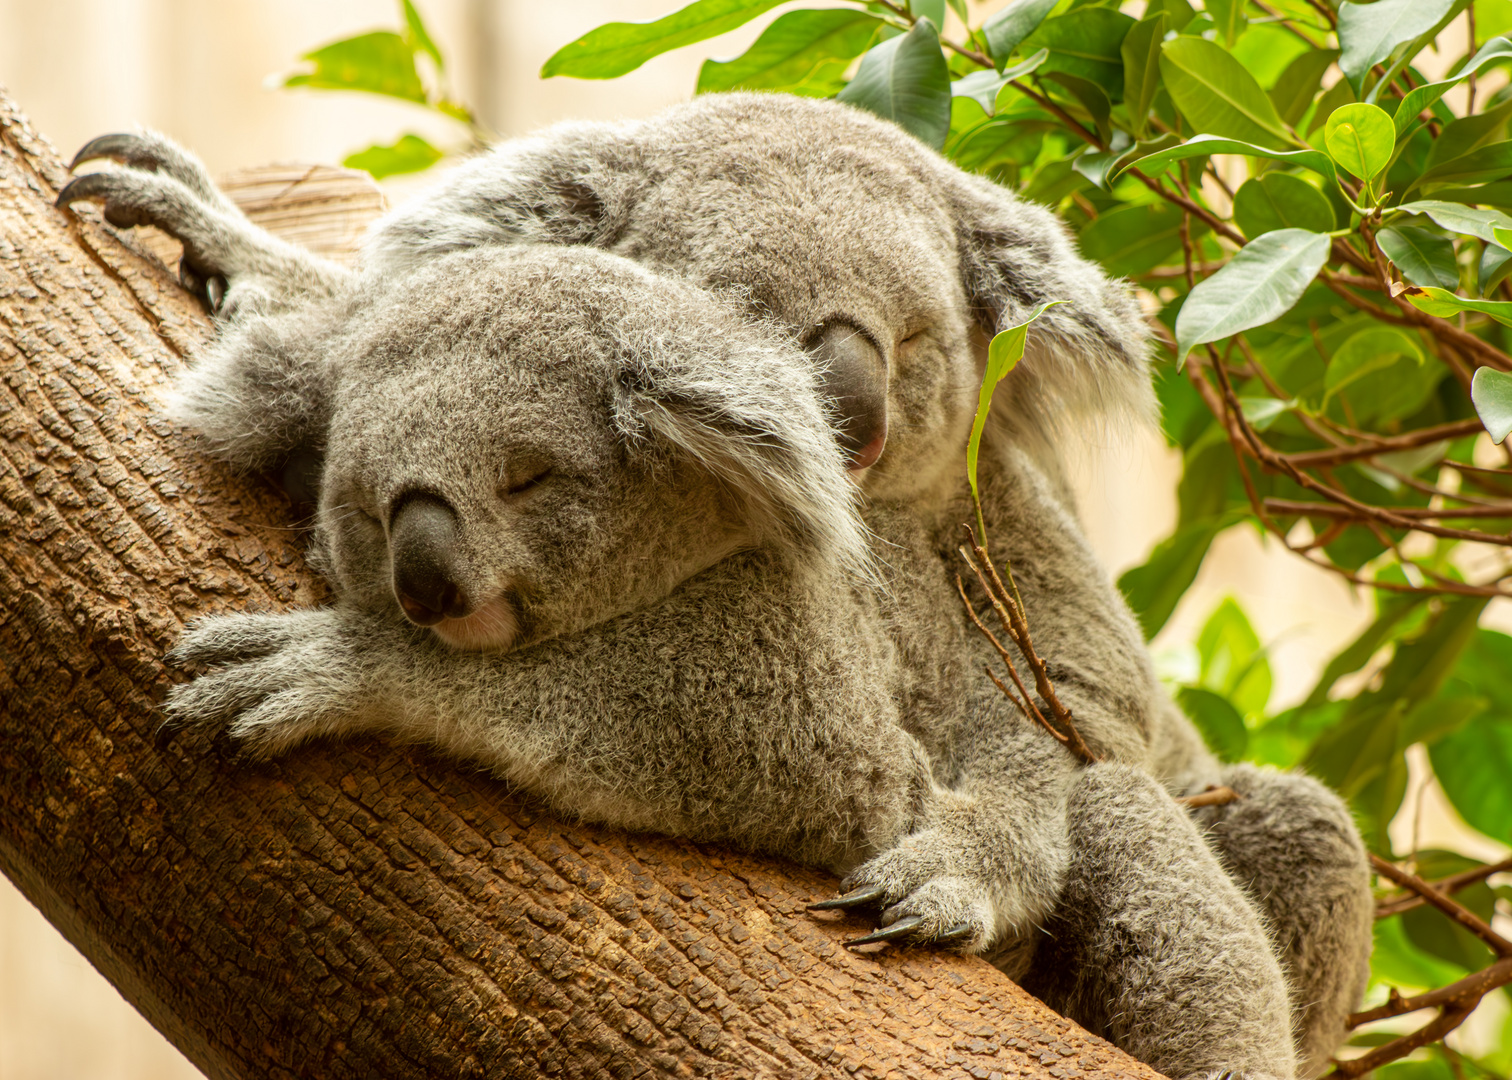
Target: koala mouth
493 626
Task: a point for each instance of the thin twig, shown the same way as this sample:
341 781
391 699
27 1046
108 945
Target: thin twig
1455 910
1395 905
1213 796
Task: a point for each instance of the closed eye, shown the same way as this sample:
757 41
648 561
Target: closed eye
529 485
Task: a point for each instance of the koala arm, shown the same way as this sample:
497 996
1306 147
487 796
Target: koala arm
230 263
744 708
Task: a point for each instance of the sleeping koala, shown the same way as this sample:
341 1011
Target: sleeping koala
979 829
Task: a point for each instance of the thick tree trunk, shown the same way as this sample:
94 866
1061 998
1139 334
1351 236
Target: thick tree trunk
356 910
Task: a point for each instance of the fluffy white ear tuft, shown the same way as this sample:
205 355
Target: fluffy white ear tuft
748 408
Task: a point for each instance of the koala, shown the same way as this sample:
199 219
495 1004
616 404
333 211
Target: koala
868 742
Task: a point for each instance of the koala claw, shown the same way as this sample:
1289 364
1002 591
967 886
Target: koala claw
84 188
127 149
867 894
955 933
904 927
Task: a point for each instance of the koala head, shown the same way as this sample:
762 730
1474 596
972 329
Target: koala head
520 442
890 265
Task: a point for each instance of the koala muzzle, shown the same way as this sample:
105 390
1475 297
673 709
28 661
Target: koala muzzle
854 378
423 544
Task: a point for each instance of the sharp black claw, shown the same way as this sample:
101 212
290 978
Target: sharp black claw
215 292
115 147
902 928
955 933
867 894
88 186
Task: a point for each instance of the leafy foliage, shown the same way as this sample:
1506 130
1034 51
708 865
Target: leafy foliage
1324 231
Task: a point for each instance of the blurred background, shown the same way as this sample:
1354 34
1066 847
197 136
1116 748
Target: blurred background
207 75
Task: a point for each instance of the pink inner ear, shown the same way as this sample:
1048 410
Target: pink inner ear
867 456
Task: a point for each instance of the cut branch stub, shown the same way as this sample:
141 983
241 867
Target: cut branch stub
355 910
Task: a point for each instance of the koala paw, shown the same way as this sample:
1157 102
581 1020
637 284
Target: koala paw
279 679
926 895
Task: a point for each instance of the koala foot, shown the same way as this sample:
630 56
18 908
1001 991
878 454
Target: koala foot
151 152
281 679
926 895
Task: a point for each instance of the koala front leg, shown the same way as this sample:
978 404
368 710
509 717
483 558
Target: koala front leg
1154 946
228 262
1293 846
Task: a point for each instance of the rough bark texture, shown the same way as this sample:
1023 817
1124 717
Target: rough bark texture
357 910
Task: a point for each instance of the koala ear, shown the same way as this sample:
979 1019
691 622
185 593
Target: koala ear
260 394
751 415
1086 357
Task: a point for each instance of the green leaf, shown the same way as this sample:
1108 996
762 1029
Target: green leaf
1494 51
1005 29
1369 33
1217 95
376 63
800 48
1383 371
1278 200
984 87
1255 287
1424 258
1087 43
1141 59
905 79
1335 97
1267 50
1233 660
1220 723
410 154
1228 18
1444 304
933 10
614 49
1459 218
1461 136
1495 265
1130 240
1473 766
1206 145
1298 84
1003 354
1498 194
1092 97
418 37
1394 611
1262 412
1366 352
1177 12
1360 138
1491 390
1490 162
1155 588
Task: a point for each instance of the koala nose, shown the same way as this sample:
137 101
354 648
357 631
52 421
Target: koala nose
853 376
423 541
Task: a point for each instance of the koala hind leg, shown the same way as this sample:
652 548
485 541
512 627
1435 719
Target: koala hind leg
1154 946
1291 843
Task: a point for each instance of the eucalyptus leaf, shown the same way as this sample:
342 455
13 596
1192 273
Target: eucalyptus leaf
1445 305
614 49
1424 258
378 63
1216 95
1218 721
1154 588
1228 18
1360 138
1262 412
1459 218
1369 33
409 154
1298 84
1461 136
1092 98
933 10
1495 265
1087 43
1234 663
1496 50
1359 366
1255 287
1207 145
905 79
1277 200
1130 240
1472 766
794 51
1491 390
985 86
1004 30
419 37
1490 162
1141 58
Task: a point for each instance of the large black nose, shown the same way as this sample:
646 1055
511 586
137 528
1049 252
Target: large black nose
423 543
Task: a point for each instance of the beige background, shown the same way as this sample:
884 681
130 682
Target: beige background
200 72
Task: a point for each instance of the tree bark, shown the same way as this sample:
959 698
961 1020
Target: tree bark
357 910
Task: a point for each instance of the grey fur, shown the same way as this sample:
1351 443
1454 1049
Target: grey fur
810 711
